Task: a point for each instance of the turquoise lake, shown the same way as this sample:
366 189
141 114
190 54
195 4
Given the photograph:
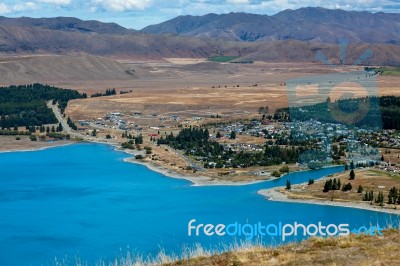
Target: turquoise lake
83 201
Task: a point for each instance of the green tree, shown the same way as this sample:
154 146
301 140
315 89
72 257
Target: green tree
352 175
59 128
328 185
233 135
347 187
218 136
393 196
380 198
360 189
288 185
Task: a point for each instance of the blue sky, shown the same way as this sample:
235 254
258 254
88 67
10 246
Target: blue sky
137 14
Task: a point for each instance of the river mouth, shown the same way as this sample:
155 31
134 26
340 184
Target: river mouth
84 201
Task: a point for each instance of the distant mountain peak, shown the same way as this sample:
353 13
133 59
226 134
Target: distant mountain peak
305 24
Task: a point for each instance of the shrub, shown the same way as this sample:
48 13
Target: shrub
276 174
284 169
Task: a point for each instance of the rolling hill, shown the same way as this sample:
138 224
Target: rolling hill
66 24
304 24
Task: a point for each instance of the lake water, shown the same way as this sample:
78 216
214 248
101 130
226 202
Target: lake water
83 201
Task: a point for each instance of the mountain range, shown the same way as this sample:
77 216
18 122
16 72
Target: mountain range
289 36
305 24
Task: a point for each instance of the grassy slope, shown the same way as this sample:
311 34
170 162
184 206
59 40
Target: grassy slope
350 250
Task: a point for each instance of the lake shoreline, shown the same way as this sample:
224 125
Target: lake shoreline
273 195
268 194
195 180
39 148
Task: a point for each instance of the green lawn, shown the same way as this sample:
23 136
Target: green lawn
222 59
391 71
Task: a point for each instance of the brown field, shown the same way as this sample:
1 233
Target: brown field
174 85
391 156
196 88
369 179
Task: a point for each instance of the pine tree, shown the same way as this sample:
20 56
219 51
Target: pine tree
346 167
379 199
218 136
288 185
328 185
352 175
233 135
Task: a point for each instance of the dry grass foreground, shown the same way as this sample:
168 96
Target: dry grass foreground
349 250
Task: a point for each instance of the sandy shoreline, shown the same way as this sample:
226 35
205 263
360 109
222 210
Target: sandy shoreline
273 195
195 180
39 148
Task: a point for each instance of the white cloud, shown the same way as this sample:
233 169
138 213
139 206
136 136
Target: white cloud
24 6
238 2
55 2
4 9
122 5
17 7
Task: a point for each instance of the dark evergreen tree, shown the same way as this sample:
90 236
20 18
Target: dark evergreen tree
288 185
233 135
352 175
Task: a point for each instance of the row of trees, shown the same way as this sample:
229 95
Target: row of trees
108 92
332 184
70 123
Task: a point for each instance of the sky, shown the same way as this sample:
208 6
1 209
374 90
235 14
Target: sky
137 14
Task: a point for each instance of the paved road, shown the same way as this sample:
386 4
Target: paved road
68 130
